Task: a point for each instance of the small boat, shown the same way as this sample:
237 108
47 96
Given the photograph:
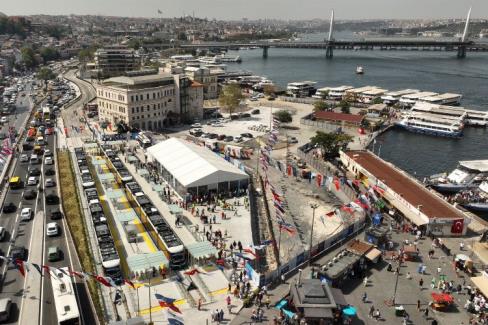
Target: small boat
359 70
475 200
468 175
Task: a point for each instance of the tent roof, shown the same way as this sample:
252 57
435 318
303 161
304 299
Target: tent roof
201 249
193 165
143 262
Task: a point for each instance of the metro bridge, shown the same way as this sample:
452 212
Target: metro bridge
460 46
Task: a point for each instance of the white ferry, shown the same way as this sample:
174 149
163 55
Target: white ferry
432 124
355 93
262 84
392 97
467 175
337 93
301 89
410 99
370 95
185 57
477 118
470 117
443 99
474 200
322 93
229 58
210 59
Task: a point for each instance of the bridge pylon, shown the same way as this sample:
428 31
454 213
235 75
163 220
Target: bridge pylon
329 49
265 52
461 51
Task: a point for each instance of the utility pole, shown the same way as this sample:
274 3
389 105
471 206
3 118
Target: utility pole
314 206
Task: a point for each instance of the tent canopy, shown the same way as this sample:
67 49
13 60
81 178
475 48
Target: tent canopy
193 165
203 249
143 262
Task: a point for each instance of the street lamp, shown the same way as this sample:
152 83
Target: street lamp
314 206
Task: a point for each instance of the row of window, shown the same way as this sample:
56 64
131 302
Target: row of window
155 95
110 95
121 109
133 118
138 109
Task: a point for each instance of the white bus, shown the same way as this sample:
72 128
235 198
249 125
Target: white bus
65 298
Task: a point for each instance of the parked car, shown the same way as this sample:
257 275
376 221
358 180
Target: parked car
24 158
49 172
2 233
54 253
221 137
32 180
229 138
292 140
247 135
255 111
48 161
34 172
238 139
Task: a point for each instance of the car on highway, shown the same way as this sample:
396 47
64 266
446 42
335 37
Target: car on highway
247 135
2 233
5 309
49 172
48 153
30 194
196 125
32 180
34 159
24 158
9 207
52 229
54 254
292 140
52 199
34 172
56 214
26 214
48 161
49 182
238 139
18 253
229 138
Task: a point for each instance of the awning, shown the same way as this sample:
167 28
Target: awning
481 250
481 282
338 297
416 219
317 312
373 255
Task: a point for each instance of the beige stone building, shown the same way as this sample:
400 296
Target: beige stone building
150 102
205 77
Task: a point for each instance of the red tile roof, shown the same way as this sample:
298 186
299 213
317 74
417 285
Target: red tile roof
413 192
339 117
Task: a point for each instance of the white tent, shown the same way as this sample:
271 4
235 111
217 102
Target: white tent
192 165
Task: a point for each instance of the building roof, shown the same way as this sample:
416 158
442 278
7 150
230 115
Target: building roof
312 293
339 117
410 190
138 80
193 165
358 247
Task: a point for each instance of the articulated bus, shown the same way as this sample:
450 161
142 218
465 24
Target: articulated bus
122 175
65 298
159 230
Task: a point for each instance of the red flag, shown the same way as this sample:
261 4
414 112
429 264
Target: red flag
192 272
48 270
361 204
20 266
457 226
129 282
250 251
347 208
103 281
220 262
356 182
319 180
337 184
330 214
289 170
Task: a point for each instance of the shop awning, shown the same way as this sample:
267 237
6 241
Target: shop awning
416 219
481 250
143 172
373 255
481 282
203 249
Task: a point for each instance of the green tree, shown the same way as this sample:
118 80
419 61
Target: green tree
85 55
330 143
283 116
28 57
320 105
377 100
345 107
230 97
49 54
45 74
134 43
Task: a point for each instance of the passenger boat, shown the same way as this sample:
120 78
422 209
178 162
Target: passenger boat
359 70
301 89
431 124
467 175
410 99
470 117
443 99
392 97
475 200
337 93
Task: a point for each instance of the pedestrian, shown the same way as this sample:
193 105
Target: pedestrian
199 303
408 276
365 297
377 315
439 270
426 312
418 305
267 302
421 283
221 315
365 281
461 246
371 311
229 289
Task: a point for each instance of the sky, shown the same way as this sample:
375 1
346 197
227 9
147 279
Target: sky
237 9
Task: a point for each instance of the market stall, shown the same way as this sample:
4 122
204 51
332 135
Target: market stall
441 301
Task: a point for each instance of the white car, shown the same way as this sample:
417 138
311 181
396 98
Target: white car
196 125
50 183
48 161
4 119
32 180
52 229
26 214
24 158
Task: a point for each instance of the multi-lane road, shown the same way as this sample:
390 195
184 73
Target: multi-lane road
33 295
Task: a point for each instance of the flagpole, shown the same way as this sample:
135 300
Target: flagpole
279 248
138 306
150 306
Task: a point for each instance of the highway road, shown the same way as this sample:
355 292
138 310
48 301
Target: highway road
33 295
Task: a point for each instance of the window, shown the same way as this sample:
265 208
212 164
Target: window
137 108
132 110
142 108
132 98
154 107
147 96
154 95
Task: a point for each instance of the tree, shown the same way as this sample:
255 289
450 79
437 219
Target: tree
330 143
134 43
28 57
320 105
269 89
230 97
283 116
377 100
45 74
345 107
85 55
49 54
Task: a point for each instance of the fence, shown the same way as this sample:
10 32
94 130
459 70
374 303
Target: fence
305 100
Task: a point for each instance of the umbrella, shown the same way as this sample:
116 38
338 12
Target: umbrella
349 311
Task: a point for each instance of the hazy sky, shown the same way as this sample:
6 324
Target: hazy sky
236 9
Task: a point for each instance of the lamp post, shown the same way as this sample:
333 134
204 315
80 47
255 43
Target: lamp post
314 206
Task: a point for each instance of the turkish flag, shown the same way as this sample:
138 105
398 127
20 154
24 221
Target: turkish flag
457 226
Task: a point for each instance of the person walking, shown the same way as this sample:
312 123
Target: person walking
371 311
199 303
426 312
418 305
365 281
421 284
365 297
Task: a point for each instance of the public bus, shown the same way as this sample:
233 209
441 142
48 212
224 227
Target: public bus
67 311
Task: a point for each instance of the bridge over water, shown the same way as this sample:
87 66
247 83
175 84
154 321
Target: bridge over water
460 46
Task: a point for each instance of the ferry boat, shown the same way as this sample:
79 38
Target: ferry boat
476 118
409 100
470 117
301 89
467 175
431 124
392 97
370 95
230 58
443 99
337 93
321 93
209 59
475 200
262 84
359 70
